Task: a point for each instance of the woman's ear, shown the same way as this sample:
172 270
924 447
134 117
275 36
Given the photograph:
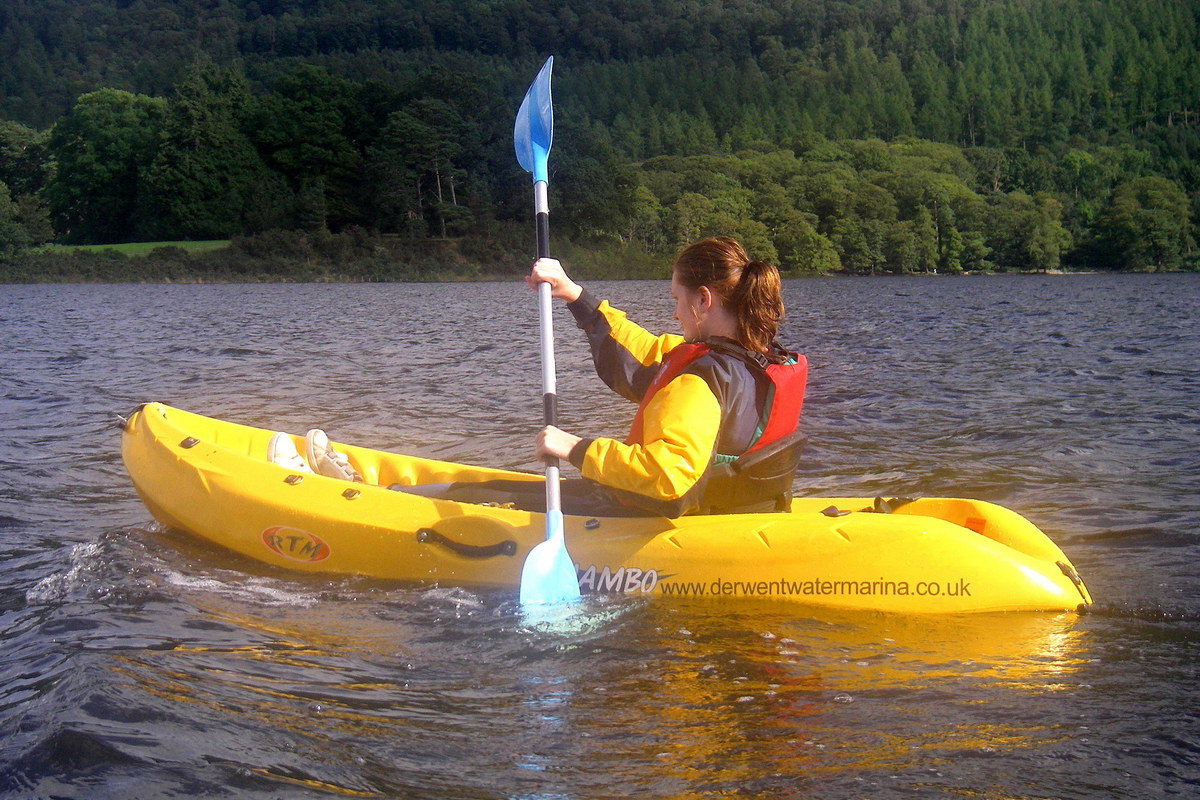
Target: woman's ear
706 298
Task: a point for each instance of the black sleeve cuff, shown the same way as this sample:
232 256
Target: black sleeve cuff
583 308
576 454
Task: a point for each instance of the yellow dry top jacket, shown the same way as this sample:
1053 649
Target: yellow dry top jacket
713 410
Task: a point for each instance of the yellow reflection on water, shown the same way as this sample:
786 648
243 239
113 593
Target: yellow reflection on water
752 697
674 699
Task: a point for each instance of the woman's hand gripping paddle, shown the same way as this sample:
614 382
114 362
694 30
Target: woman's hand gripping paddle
549 574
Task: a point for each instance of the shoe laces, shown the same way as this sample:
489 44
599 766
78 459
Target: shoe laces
343 463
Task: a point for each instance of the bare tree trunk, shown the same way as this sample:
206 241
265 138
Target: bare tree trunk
437 172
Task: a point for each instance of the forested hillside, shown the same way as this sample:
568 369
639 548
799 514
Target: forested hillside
864 135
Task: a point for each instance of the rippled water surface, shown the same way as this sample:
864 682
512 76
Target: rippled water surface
135 662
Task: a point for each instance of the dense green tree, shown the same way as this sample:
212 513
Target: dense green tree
859 244
25 170
949 237
989 165
23 158
826 192
976 252
33 216
303 129
647 221
594 194
900 248
311 206
207 181
1027 231
753 235
802 249
925 240
1146 224
1012 217
394 191
1084 175
691 215
417 167
13 237
1048 239
434 157
98 150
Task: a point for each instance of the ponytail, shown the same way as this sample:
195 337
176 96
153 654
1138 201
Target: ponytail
750 289
757 304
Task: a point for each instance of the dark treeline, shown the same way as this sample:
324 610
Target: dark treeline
867 136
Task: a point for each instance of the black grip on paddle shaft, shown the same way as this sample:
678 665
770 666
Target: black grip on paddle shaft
543 234
550 408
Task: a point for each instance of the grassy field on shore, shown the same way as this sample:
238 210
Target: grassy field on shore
136 248
276 256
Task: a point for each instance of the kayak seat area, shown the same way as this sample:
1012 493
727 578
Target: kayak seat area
758 481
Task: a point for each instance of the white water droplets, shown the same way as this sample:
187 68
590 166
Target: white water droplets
58 585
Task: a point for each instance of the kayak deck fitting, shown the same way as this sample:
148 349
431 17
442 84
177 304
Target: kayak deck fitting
211 479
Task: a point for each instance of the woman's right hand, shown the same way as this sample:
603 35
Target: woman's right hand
552 441
548 270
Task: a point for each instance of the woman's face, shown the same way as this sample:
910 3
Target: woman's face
688 303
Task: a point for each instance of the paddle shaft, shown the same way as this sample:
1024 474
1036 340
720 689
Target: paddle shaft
541 207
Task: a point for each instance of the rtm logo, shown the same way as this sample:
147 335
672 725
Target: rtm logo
622 581
295 544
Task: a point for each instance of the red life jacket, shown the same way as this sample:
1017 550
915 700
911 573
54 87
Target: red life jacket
785 396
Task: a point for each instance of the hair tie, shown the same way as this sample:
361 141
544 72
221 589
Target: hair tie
754 265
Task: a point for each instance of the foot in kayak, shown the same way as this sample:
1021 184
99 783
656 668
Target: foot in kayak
282 450
327 461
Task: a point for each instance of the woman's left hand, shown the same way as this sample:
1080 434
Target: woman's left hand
553 442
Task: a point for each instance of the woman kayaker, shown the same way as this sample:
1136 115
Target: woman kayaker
715 430
718 407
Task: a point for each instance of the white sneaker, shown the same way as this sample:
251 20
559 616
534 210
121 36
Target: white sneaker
282 450
327 461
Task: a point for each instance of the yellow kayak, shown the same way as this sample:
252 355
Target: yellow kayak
212 479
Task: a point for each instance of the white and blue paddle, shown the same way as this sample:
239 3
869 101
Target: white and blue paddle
549 573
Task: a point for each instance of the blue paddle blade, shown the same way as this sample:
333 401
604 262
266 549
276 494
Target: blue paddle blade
549 574
534 130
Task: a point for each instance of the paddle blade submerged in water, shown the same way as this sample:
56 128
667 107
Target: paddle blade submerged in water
549 574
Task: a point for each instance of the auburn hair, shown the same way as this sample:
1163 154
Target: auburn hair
749 288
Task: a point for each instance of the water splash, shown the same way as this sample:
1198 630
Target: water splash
54 587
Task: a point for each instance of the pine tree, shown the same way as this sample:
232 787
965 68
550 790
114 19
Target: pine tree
206 180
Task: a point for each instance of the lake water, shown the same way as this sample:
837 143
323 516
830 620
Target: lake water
135 662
